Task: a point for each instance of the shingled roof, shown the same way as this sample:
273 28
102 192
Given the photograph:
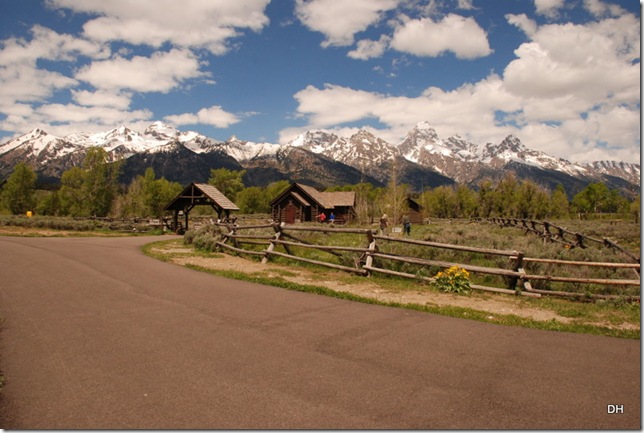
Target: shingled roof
329 200
201 193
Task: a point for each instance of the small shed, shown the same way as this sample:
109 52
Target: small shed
197 194
414 210
303 203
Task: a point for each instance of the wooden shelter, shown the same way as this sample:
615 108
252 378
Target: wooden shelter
197 194
302 203
414 210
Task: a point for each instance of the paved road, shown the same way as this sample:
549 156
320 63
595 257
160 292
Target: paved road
96 335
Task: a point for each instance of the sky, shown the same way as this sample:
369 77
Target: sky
561 75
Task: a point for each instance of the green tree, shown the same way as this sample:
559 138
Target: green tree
228 182
253 200
71 192
441 202
531 201
559 204
100 181
592 199
505 197
18 194
467 201
485 198
91 188
146 196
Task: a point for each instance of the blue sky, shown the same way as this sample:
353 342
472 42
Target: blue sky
562 75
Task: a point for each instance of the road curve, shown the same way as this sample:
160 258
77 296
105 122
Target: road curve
98 336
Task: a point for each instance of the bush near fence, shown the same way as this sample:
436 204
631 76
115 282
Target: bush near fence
363 252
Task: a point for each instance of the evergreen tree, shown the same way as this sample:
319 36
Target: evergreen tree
18 193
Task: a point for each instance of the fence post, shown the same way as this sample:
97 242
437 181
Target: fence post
271 246
518 265
372 249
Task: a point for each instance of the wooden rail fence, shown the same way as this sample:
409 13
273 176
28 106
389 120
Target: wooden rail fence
552 233
373 257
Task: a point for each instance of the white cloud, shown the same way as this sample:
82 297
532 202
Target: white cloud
215 116
473 105
47 44
367 49
64 119
548 8
23 82
339 21
161 72
425 37
601 9
208 24
593 62
528 26
102 98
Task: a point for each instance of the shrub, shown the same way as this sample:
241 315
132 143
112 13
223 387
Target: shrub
454 280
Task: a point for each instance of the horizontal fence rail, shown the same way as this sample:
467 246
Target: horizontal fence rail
373 257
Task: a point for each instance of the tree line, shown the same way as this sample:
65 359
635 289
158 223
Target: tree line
93 189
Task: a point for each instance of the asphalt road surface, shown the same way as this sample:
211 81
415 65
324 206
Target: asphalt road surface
98 336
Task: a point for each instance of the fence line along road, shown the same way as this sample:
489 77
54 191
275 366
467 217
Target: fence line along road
367 258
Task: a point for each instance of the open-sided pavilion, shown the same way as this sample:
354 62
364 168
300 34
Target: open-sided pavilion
199 194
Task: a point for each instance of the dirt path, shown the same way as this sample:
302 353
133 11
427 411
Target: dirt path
493 304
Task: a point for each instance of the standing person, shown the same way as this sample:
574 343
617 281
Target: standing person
383 225
322 217
332 218
406 225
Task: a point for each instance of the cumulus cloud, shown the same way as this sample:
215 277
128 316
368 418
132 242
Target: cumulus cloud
367 49
339 21
590 62
215 116
455 33
161 72
548 8
102 98
601 9
186 23
473 105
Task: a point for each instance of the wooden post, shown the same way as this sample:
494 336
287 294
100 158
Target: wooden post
518 264
372 249
271 246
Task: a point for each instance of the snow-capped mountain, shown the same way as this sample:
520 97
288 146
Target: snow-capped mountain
623 170
425 158
362 150
247 150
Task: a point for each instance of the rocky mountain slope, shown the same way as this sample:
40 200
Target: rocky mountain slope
318 158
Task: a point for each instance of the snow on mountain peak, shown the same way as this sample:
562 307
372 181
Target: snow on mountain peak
161 131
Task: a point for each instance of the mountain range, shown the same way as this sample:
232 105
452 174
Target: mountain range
320 159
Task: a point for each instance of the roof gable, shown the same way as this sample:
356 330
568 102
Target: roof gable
326 200
201 193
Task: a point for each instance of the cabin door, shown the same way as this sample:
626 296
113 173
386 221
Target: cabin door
289 213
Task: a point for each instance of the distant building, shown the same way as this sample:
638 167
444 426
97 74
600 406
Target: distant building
198 194
303 203
414 210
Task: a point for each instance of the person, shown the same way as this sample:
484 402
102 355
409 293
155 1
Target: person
322 217
383 225
332 218
406 225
